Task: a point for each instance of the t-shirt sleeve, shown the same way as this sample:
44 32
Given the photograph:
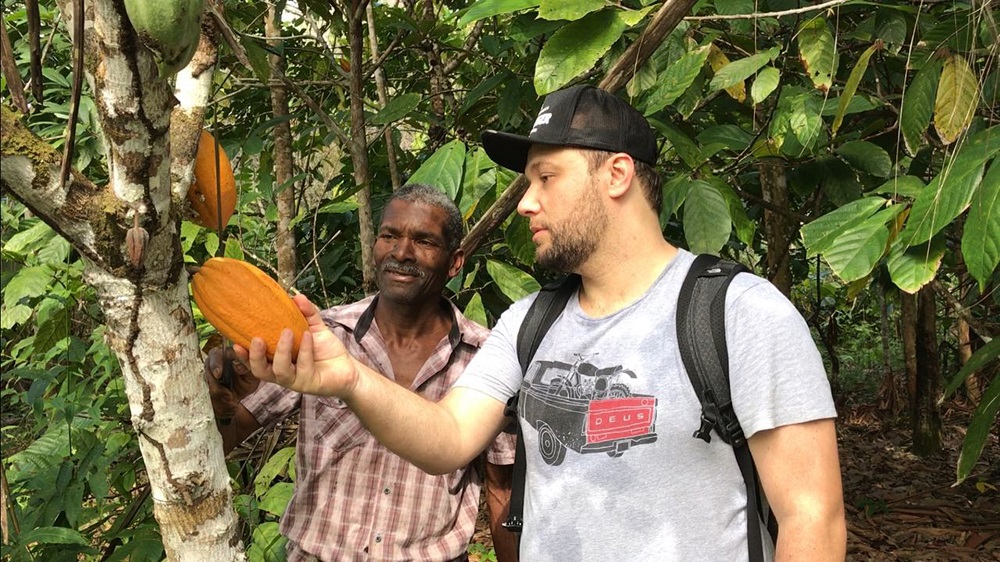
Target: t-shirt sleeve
271 403
495 370
776 372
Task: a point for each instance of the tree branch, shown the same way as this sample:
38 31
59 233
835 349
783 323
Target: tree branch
758 15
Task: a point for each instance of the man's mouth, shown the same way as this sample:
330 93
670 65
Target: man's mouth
401 270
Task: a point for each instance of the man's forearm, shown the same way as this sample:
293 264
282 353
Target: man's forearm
426 433
820 538
237 429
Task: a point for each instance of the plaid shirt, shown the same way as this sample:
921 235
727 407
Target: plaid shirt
353 498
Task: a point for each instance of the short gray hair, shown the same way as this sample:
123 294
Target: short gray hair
429 195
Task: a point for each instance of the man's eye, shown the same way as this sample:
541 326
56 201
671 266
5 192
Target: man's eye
385 236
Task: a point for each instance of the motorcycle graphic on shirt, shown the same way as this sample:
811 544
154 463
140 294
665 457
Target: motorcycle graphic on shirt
583 407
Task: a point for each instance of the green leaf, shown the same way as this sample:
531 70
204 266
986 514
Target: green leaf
676 79
476 182
730 136
233 249
745 227
27 240
53 535
805 120
268 544
818 52
866 157
707 224
488 8
979 429
950 192
912 268
258 58
917 106
632 17
767 81
675 190
739 70
276 498
397 108
982 357
575 48
686 148
27 283
513 283
819 234
52 329
443 169
275 466
14 316
570 11
475 310
981 239
855 253
904 186
857 73
957 98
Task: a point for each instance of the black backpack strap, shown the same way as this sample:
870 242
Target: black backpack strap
543 312
701 310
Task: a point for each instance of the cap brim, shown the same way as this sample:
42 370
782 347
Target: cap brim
506 149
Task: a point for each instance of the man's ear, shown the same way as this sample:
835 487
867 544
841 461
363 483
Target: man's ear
621 169
457 261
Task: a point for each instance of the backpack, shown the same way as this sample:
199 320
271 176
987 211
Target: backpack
701 335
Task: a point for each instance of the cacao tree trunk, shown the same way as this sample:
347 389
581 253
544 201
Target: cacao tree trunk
888 392
359 144
145 301
926 418
774 189
908 332
284 241
964 353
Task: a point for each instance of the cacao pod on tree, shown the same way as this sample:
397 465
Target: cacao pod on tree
243 302
203 197
169 28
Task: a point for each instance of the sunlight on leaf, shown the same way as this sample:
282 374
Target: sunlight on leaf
981 238
851 87
818 52
917 106
766 82
912 268
957 98
575 48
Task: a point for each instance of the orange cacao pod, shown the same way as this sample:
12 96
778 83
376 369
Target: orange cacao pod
242 302
203 196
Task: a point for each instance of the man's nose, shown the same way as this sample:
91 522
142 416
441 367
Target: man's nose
528 205
402 249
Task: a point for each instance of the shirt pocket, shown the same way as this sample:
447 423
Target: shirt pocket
337 426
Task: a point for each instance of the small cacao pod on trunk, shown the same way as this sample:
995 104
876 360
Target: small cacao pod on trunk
243 302
203 197
169 28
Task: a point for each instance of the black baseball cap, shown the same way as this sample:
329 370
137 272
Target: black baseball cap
581 116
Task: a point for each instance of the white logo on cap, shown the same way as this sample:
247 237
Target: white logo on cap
543 119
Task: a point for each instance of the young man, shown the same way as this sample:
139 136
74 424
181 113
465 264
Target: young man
593 205
353 499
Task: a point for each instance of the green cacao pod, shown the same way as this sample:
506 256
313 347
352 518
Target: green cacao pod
168 28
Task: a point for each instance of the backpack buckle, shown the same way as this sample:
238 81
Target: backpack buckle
734 431
514 524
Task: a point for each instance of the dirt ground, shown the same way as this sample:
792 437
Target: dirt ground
901 507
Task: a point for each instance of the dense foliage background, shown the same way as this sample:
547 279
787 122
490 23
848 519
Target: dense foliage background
845 151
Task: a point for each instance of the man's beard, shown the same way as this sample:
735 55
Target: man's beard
574 241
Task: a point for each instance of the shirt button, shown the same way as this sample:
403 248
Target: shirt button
386 490
378 538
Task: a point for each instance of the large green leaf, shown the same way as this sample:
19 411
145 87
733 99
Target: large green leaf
275 466
676 79
571 11
912 268
397 108
443 169
739 70
745 227
851 87
819 234
27 283
575 48
513 283
276 498
979 429
818 52
981 239
480 176
917 106
766 82
805 120
866 157
53 535
675 190
729 136
957 98
686 148
903 186
487 8
28 239
518 238
707 224
475 310
951 191
981 358
855 253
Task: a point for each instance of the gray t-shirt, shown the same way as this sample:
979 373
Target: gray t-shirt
608 412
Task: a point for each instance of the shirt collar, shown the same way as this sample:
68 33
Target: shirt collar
461 327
